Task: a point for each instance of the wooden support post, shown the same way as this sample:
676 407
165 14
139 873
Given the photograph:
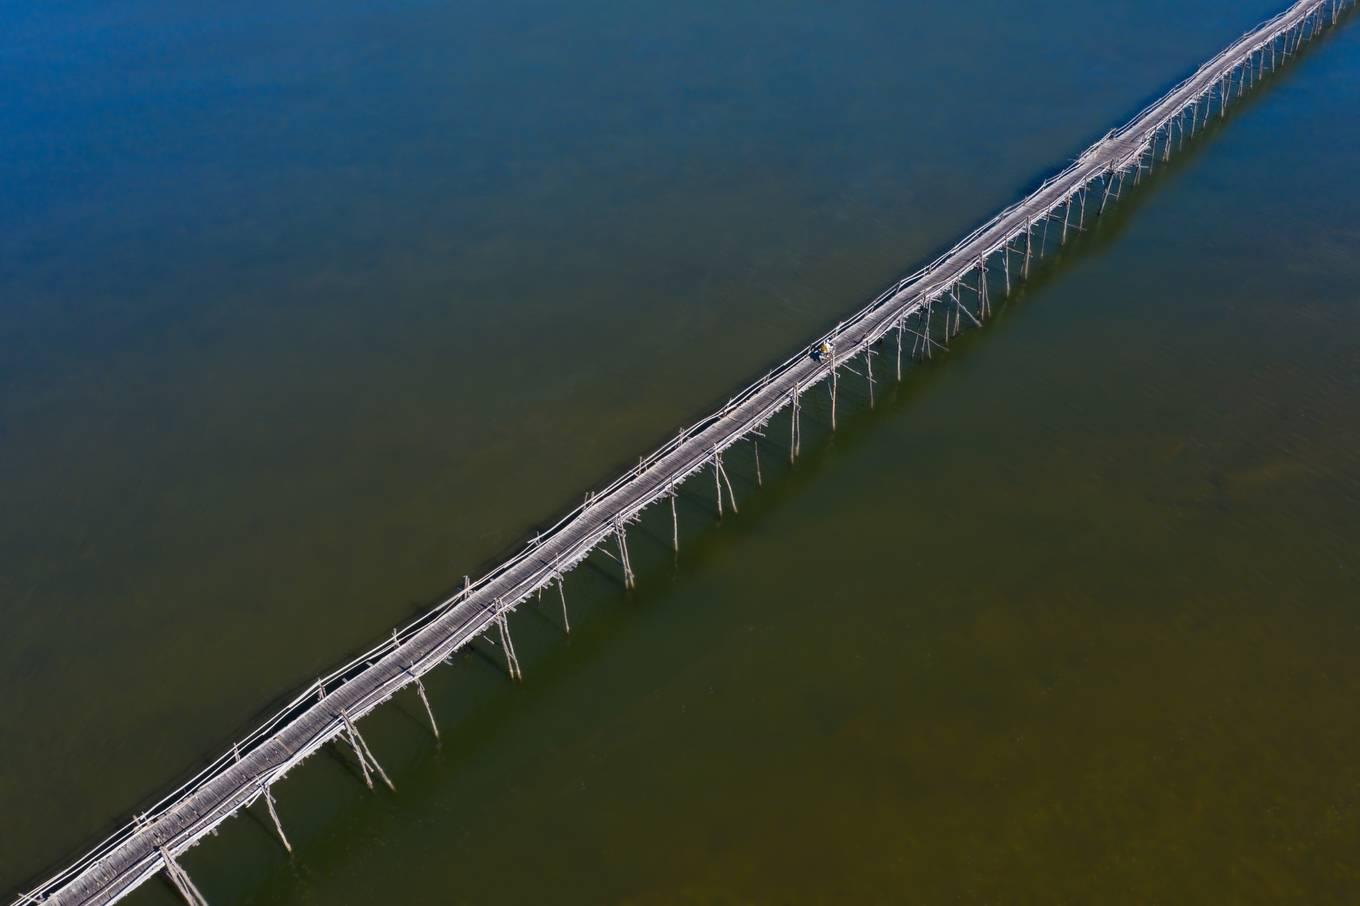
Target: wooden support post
179 879
273 813
1067 215
984 300
869 371
1029 244
930 316
1006 258
425 700
755 448
834 382
717 481
1043 243
960 307
358 751
901 325
835 379
621 537
562 593
358 742
507 643
722 473
1109 184
794 395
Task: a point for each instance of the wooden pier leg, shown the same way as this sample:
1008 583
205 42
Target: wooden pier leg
1029 244
1006 259
358 741
358 751
179 878
960 307
834 380
755 448
795 393
1043 243
930 317
507 643
562 591
731 498
986 300
425 700
621 538
869 370
901 319
273 813
717 481
1067 215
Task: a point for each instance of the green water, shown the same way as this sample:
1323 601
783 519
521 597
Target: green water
294 340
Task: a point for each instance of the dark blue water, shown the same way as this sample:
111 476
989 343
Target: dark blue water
307 312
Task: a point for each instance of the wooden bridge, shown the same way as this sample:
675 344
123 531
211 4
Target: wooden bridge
959 283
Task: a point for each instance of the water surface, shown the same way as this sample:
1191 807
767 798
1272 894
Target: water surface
307 312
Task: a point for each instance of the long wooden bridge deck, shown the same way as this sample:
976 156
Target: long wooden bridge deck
919 312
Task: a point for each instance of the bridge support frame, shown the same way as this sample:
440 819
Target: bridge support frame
268 798
179 879
621 538
507 644
719 479
425 700
365 754
869 370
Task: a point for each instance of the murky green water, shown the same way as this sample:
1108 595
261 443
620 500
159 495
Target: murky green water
305 314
